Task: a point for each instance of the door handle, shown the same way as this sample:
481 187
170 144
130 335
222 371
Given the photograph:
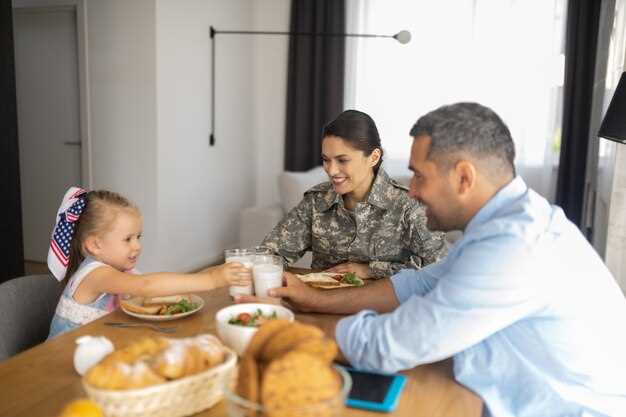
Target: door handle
72 143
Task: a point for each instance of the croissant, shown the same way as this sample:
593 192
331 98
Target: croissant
188 356
122 375
142 349
155 360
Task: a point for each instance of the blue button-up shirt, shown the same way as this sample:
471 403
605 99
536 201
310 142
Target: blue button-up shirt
533 318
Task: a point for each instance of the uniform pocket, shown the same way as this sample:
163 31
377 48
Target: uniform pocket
388 249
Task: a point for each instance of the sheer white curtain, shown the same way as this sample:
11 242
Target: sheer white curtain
505 54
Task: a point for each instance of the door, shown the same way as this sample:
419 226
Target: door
47 85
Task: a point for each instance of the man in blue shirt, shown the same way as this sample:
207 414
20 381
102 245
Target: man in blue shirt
530 313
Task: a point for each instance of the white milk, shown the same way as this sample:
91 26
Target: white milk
267 276
246 261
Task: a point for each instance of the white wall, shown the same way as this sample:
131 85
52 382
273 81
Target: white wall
202 188
123 113
148 94
149 67
270 97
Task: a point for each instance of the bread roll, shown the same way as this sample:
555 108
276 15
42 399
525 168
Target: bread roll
165 300
134 307
156 360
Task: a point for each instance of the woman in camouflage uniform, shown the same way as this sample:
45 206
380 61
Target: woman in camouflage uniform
361 220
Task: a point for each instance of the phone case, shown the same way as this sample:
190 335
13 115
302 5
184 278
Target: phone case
391 398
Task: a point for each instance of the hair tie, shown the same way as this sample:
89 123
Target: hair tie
72 206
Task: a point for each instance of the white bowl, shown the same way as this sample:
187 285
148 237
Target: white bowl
236 336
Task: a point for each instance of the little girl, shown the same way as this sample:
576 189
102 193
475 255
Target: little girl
96 243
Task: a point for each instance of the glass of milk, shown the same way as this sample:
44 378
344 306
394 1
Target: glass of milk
246 258
268 273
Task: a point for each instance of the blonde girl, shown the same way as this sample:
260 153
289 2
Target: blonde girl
96 242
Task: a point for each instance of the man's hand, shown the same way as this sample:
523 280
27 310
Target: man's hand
297 294
378 296
362 270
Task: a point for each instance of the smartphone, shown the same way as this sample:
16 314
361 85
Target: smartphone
374 391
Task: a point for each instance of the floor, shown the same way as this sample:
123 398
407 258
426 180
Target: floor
35 268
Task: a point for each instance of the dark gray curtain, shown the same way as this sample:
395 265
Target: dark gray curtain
315 78
583 21
11 246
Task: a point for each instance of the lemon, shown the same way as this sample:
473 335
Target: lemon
82 408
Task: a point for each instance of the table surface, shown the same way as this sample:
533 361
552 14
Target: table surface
41 380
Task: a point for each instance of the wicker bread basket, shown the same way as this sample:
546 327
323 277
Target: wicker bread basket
177 398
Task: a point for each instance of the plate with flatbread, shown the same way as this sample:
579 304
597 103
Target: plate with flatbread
165 308
331 280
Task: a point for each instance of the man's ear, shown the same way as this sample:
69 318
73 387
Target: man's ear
465 176
92 245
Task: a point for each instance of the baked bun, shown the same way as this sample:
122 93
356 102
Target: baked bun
156 360
165 300
138 308
121 375
152 305
139 350
189 356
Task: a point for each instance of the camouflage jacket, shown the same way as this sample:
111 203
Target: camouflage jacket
387 231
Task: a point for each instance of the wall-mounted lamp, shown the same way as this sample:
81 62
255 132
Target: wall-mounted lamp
614 124
403 37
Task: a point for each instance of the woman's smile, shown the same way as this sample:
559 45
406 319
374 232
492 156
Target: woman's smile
337 181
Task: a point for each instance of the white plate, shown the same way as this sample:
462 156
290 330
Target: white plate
156 317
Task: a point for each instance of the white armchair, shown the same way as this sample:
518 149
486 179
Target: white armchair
256 222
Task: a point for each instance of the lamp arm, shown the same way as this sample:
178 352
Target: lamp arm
402 37
316 34
212 135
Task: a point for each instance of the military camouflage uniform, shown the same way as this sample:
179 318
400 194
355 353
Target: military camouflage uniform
387 231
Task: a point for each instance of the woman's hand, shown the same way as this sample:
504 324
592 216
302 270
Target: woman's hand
231 273
362 270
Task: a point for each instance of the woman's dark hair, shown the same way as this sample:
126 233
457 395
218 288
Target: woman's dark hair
359 130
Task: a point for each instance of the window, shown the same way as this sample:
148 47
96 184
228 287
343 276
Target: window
505 54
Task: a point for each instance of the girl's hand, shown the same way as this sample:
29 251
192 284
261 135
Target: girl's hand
362 270
233 273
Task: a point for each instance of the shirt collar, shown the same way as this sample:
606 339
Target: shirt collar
510 192
377 196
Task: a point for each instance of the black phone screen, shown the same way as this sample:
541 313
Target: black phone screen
369 387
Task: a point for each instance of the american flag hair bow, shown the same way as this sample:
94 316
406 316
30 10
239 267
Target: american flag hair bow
71 208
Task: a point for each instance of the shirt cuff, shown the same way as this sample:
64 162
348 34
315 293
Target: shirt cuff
403 284
380 269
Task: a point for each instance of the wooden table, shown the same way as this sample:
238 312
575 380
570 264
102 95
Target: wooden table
41 380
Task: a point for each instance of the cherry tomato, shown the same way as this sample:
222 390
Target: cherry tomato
244 318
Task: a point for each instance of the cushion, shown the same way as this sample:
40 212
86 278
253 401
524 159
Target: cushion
27 305
398 169
292 185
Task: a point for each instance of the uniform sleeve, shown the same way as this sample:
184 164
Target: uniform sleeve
424 247
469 303
291 237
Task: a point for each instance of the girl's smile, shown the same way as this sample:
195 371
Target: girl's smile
120 246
